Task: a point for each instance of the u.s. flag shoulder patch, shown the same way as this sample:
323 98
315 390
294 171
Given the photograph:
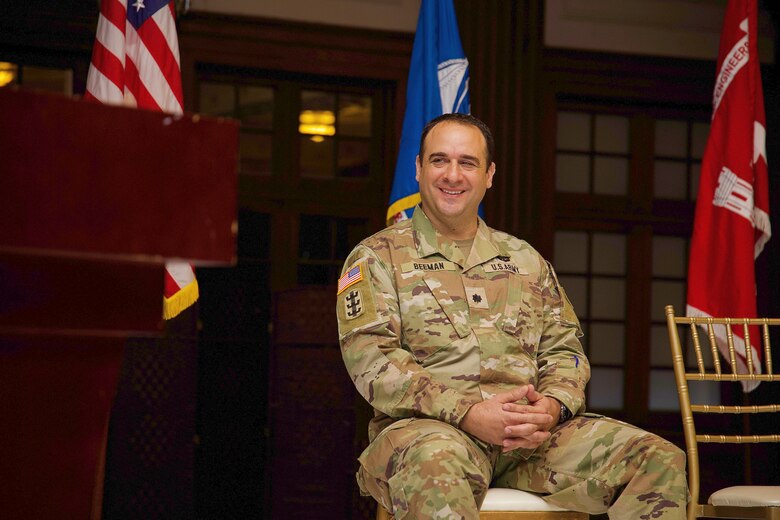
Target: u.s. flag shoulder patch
350 278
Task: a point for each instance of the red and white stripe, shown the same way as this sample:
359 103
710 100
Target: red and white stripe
141 68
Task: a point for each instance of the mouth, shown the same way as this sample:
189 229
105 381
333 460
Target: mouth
452 192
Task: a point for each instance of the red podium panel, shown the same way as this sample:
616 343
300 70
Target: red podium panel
93 200
85 178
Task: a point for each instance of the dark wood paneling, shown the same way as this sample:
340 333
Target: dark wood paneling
503 42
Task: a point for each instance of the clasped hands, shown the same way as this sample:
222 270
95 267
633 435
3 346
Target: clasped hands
502 422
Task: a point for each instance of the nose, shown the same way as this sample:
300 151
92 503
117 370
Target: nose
452 172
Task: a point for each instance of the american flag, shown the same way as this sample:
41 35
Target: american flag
135 63
351 277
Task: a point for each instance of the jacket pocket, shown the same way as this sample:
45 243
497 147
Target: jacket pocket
432 318
522 316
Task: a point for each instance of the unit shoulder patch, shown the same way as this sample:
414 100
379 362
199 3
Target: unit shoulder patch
356 302
353 304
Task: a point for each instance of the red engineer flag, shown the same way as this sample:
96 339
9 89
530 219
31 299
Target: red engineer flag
135 63
732 212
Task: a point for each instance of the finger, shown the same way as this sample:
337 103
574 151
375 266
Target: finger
518 419
523 408
513 395
533 395
520 430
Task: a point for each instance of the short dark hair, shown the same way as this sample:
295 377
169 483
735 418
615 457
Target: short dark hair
463 119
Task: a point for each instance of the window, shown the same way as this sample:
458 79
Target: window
625 185
592 154
310 160
592 269
679 146
324 243
49 79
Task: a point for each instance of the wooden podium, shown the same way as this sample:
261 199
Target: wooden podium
93 201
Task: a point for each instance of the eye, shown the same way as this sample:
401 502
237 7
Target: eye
437 161
469 165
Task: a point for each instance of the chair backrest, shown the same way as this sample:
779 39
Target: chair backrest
736 336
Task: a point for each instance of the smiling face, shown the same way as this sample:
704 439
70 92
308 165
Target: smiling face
454 175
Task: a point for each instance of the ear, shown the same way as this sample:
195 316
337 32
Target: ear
491 171
417 168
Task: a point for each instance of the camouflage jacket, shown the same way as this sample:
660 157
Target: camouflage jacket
425 332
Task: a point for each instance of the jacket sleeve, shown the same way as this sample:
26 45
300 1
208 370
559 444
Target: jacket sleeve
563 368
386 374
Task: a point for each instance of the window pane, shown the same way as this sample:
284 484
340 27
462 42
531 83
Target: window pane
256 106
255 153
571 252
666 293
699 135
48 79
576 288
348 233
254 235
317 100
354 116
315 275
607 343
217 99
704 392
669 256
317 117
610 176
606 389
612 134
607 299
314 238
660 353
663 391
573 131
671 139
317 157
670 180
664 396
609 253
572 173
353 158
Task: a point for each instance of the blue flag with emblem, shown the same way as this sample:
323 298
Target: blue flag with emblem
438 84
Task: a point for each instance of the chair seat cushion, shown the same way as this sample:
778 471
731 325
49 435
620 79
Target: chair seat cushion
747 496
501 499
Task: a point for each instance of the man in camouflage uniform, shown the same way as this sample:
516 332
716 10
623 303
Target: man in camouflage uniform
465 344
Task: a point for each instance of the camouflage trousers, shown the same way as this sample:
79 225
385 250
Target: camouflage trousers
423 468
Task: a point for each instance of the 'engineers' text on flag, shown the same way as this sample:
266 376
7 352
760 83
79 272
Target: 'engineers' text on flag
732 212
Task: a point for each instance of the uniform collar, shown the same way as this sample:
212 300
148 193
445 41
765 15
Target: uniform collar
429 242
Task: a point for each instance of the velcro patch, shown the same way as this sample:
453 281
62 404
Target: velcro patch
356 302
438 265
351 277
496 267
353 304
477 297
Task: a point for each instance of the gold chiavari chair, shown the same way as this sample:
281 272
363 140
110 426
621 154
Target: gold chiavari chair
739 501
